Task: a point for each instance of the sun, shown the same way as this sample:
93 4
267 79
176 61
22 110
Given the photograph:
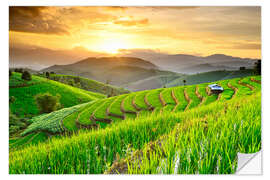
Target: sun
113 47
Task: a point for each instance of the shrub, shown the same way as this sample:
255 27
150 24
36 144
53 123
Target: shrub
257 68
19 70
47 103
47 74
242 68
12 99
26 76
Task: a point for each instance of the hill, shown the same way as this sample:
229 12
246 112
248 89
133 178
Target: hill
88 84
115 70
100 113
24 92
190 64
209 77
186 131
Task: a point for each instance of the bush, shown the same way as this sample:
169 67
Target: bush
242 68
12 99
47 103
19 70
26 76
257 68
47 74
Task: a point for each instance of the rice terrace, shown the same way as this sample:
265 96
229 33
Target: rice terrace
122 109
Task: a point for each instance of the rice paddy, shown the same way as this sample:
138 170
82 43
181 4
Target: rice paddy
177 130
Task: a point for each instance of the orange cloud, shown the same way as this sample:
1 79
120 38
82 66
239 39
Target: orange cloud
132 22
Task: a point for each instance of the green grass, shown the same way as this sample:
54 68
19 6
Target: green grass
65 119
179 94
16 80
195 101
31 139
242 90
228 92
226 132
205 148
153 98
127 105
88 84
167 96
115 107
84 117
70 121
51 122
255 85
101 111
24 97
202 92
209 77
139 99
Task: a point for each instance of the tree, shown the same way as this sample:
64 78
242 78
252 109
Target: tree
257 68
242 68
47 103
26 76
47 75
184 81
19 70
12 99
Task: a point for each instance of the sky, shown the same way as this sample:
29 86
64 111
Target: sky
99 31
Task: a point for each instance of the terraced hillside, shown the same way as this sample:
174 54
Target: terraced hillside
88 84
100 113
209 77
200 140
24 92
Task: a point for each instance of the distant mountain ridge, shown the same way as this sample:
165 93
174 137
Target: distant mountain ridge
190 64
113 70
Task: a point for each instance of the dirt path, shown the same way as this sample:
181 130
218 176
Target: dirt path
161 99
246 85
256 81
108 113
134 104
187 99
123 109
233 88
202 99
150 107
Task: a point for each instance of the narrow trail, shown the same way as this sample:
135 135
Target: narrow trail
174 97
246 85
79 125
202 99
256 81
150 107
123 109
233 88
219 96
108 113
187 99
208 92
161 99
104 120
134 104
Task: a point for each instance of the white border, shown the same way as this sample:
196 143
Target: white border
265 69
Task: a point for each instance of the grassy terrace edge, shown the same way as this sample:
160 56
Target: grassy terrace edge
92 152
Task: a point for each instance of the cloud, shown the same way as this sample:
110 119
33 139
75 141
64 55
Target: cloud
245 46
33 20
132 22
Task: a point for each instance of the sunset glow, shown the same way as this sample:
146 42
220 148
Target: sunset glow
200 31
